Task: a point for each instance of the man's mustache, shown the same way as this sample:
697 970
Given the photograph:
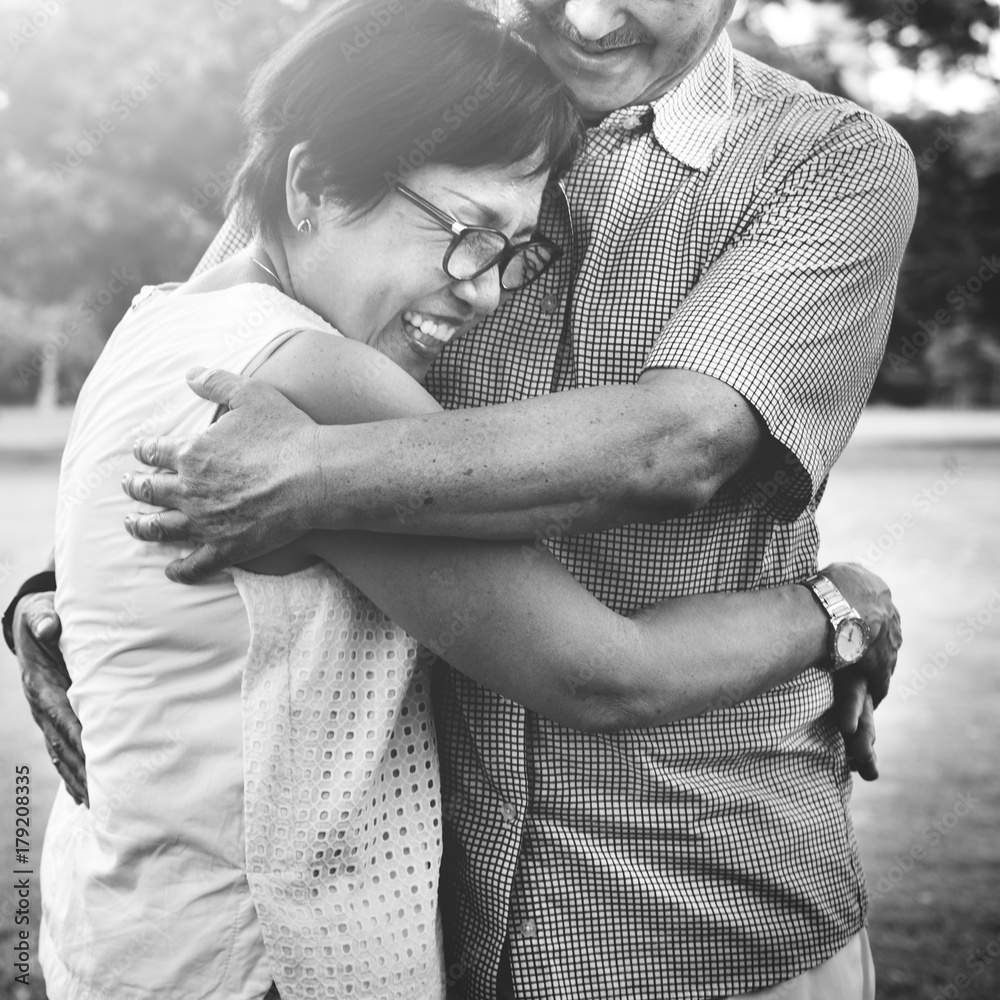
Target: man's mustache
620 38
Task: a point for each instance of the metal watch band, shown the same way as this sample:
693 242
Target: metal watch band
833 601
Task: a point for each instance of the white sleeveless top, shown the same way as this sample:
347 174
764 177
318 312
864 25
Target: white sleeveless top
146 893
342 808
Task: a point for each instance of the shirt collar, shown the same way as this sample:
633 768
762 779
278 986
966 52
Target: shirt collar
690 120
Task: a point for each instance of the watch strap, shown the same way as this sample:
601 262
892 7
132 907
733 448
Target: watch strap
40 583
833 601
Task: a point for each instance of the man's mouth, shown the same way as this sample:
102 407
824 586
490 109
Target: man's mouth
615 41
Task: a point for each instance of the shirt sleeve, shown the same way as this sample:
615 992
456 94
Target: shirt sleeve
230 239
795 312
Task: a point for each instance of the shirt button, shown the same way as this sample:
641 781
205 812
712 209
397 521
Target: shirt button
549 303
528 928
509 812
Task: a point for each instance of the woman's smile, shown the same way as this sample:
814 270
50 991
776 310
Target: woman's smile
439 327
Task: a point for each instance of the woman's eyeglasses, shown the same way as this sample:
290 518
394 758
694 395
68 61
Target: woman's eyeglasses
475 249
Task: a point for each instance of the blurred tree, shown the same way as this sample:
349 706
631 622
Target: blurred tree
119 133
953 30
944 343
114 163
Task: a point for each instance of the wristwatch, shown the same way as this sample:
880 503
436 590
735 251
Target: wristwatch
849 632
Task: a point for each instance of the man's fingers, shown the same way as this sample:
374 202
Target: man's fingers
198 566
60 727
160 452
71 768
160 489
217 385
161 526
860 745
851 691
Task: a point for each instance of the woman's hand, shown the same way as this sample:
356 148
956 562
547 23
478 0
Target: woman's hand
858 689
45 681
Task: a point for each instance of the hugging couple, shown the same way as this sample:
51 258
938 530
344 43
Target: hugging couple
627 771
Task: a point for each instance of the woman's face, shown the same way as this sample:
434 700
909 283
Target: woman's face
378 277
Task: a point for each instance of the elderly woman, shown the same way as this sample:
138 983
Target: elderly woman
261 762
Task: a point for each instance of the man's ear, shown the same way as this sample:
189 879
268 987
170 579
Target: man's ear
300 202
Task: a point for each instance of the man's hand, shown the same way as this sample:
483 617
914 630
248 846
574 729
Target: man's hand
227 489
45 681
857 690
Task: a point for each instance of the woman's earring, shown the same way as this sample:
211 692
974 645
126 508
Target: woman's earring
305 227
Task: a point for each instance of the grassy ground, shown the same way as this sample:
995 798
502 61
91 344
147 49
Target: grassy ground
928 827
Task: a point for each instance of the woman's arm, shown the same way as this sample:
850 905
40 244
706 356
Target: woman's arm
512 618
517 622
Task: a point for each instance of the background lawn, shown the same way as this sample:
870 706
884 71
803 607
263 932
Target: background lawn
929 827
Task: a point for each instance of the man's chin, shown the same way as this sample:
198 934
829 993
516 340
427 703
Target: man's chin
597 101
600 89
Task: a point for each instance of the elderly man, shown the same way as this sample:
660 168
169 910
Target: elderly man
680 385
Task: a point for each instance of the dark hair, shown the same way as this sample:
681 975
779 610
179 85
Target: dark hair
379 87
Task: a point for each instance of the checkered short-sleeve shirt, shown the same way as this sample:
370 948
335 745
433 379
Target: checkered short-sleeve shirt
749 228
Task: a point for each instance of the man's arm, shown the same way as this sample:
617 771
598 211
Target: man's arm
583 460
785 329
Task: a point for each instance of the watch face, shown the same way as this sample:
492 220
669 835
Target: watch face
851 641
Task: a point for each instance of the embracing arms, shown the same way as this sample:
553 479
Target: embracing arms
585 677
584 460
517 621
